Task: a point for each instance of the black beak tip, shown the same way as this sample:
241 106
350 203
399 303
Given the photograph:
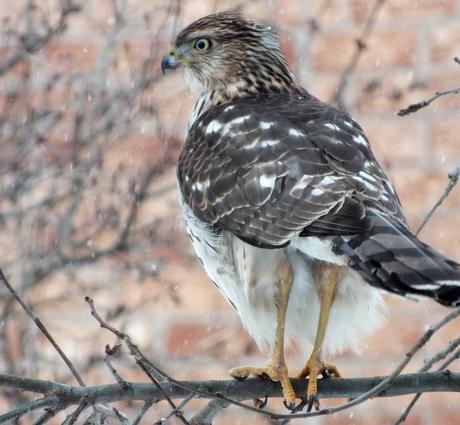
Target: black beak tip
168 62
164 64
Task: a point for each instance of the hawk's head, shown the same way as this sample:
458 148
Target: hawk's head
228 53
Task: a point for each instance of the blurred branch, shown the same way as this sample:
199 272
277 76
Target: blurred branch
453 180
424 103
360 46
42 328
153 373
34 42
438 357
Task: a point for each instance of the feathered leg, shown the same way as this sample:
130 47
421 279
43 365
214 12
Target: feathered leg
327 276
276 370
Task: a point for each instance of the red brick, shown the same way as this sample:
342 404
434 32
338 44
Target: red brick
445 139
403 9
72 56
333 51
395 141
448 416
382 95
445 40
323 86
360 416
298 12
379 54
419 189
443 233
183 338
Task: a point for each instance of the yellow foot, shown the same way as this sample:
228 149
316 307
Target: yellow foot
315 367
277 372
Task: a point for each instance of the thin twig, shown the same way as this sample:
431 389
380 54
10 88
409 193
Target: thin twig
72 418
44 402
453 180
110 352
414 107
145 407
43 419
115 374
33 44
42 328
139 358
120 416
207 414
424 103
360 46
178 410
442 354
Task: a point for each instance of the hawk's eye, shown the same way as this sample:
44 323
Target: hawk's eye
202 44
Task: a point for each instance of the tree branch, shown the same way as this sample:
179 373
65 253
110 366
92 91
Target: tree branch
453 180
360 46
42 328
206 415
34 43
65 395
414 107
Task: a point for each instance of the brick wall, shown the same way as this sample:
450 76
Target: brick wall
193 333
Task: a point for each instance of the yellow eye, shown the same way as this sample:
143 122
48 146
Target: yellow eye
202 44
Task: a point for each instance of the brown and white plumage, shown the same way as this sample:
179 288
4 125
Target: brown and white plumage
269 175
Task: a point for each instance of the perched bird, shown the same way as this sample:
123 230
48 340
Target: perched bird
286 206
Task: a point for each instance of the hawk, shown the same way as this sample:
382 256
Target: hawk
287 208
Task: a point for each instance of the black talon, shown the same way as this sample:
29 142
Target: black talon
260 404
265 376
312 401
301 405
239 378
290 406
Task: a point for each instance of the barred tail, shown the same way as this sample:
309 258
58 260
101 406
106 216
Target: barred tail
390 257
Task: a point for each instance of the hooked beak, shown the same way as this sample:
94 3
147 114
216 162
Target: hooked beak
170 61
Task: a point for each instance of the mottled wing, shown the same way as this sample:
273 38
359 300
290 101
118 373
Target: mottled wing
269 169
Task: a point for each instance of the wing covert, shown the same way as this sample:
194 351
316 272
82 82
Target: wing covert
271 169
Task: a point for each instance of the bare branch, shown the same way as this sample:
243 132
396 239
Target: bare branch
207 414
48 401
72 418
221 390
414 107
360 46
147 367
109 352
43 329
36 42
424 103
146 406
453 180
436 358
